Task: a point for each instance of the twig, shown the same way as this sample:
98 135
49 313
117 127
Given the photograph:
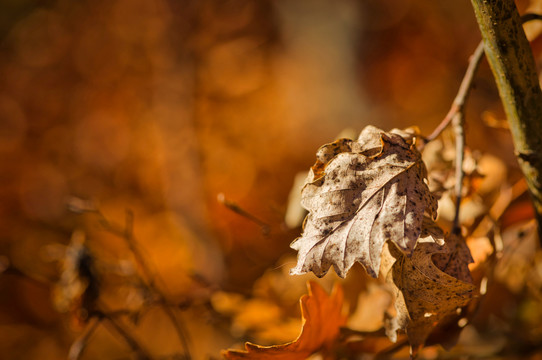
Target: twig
458 124
388 352
239 210
76 349
458 119
182 333
130 241
458 104
466 84
530 16
130 340
149 280
456 116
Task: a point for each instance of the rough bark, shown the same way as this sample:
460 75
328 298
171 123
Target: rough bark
511 60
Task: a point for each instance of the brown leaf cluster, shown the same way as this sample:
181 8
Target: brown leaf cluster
369 194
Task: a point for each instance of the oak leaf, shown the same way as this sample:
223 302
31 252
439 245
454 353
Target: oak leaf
430 285
322 318
359 194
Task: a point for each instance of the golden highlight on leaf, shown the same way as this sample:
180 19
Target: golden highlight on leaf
360 194
322 318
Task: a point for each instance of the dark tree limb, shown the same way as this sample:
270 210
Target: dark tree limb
511 60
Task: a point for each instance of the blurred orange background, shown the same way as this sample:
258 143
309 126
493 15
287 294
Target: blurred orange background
157 107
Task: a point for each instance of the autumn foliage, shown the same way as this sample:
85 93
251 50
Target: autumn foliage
158 199
323 317
368 201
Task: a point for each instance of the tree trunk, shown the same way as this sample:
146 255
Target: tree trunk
511 60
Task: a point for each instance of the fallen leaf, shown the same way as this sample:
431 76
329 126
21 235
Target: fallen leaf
429 286
322 318
359 194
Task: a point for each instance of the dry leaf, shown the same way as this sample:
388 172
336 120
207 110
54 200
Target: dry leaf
483 173
359 195
455 261
323 317
430 285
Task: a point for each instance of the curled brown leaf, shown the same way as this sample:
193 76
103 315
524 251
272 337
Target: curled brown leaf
323 317
360 194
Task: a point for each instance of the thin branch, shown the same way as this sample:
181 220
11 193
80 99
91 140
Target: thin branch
182 333
530 16
458 104
459 130
266 228
389 351
466 84
150 279
142 354
130 241
456 116
77 347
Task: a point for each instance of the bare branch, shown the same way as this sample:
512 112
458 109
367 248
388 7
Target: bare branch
459 130
76 349
233 206
150 279
458 104
141 353
456 115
